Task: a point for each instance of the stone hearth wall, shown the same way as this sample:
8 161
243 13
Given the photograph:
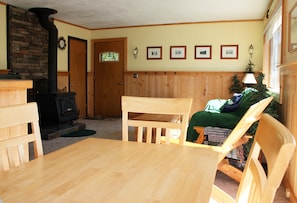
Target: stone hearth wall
27 44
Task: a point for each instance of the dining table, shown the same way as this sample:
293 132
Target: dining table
106 170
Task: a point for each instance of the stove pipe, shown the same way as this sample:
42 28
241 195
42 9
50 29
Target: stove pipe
43 15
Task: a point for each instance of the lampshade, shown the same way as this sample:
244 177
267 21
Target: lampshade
249 79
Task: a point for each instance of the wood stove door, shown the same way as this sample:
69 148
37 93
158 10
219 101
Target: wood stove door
109 76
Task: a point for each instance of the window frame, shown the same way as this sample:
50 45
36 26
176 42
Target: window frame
273 27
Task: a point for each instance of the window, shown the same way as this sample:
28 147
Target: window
272 50
275 59
109 56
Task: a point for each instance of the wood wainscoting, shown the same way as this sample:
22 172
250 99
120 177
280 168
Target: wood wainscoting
63 81
201 86
288 100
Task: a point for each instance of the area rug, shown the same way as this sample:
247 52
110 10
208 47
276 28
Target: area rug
80 133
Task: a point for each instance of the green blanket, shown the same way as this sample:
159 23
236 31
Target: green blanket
222 120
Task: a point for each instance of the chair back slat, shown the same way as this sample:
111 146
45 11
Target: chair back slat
15 135
277 144
259 183
252 115
158 114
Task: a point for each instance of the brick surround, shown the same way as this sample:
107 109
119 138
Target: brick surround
27 44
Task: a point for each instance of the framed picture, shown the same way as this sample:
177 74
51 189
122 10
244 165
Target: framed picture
203 52
153 53
178 52
229 51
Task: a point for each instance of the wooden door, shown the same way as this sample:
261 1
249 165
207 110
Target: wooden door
109 76
77 66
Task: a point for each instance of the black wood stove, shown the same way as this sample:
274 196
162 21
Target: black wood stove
57 110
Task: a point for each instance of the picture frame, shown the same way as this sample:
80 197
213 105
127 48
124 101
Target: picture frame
203 52
154 53
178 52
229 51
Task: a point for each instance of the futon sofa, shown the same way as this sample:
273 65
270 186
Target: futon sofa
222 113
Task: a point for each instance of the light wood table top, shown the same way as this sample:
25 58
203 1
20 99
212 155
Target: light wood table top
101 170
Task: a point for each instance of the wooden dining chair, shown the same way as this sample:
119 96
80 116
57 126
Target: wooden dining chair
237 137
155 118
19 126
276 143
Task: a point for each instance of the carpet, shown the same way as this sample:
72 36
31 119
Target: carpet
107 118
80 133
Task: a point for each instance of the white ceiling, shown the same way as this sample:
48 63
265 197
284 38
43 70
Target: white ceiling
94 14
